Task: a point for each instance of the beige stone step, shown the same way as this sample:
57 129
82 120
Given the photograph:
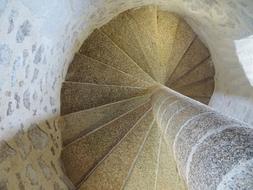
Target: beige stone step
77 124
196 54
201 72
167 27
80 96
183 40
87 70
135 32
82 156
112 173
144 172
202 88
100 47
167 174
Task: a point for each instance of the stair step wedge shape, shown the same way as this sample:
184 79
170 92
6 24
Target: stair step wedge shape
143 174
202 88
203 71
100 47
88 70
78 124
167 174
196 54
167 24
135 32
80 96
183 40
82 155
112 172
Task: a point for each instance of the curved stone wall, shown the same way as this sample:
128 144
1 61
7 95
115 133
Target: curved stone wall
37 42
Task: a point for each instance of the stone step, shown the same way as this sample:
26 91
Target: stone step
100 47
143 174
82 156
135 32
80 96
202 88
88 70
114 170
196 54
167 173
77 124
167 24
182 42
203 71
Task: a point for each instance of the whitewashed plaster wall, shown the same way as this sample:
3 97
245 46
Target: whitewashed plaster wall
37 42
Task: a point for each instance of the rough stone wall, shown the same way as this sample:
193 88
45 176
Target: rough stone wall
37 42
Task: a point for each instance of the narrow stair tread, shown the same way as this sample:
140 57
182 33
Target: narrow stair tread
81 156
80 123
135 32
80 96
167 24
112 173
203 71
167 175
100 47
183 40
143 175
196 53
88 70
202 88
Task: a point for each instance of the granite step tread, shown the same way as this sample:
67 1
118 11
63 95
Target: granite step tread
196 54
201 72
88 70
167 173
143 174
167 24
80 96
78 124
100 47
83 155
113 171
182 42
203 88
135 32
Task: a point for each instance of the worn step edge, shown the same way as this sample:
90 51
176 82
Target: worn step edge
104 85
139 154
73 101
98 107
183 53
145 83
194 83
85 177
89 131
150 79
188 72
100 127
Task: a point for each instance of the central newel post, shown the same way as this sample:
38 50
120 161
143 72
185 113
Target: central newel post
207 149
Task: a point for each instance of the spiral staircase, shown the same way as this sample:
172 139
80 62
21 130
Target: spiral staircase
111 139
